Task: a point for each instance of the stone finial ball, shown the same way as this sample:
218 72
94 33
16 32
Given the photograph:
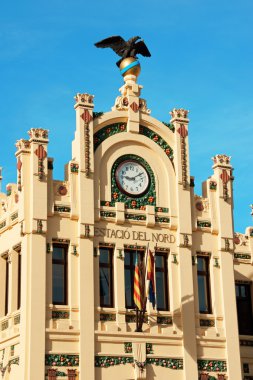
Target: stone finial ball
130 66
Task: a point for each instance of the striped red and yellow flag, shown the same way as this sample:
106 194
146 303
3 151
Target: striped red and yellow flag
137 285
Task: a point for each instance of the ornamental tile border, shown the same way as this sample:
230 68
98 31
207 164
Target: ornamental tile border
135 217
60 314
3 224
149 348
107 214
242 256
207 323
107 203
14 216
107 317
161 209
164 320
17 319
212 365
4 325
61 208
169 125
132 318
108 131
158 140
160 219
108 361
128 347
149 198
203 224
166 362
62 360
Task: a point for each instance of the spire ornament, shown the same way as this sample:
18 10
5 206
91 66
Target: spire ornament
128 50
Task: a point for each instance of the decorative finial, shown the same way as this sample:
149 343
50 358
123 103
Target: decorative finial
128 50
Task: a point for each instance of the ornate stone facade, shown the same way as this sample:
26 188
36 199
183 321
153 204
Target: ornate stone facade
52 229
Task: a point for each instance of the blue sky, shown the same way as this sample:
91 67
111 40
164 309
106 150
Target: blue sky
202 59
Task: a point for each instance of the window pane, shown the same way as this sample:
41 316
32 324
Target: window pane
160 291
244 309
243 291
58 253
201 264
104 256
159 262
58 284
203 296
127 257
105 297
128 289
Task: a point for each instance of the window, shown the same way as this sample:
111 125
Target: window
130 256
244 309
161 281
19 281
106 276
6 286
59 271
204 285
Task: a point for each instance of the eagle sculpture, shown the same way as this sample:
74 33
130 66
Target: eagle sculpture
124 48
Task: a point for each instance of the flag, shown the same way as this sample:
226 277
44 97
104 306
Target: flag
137 285
150 279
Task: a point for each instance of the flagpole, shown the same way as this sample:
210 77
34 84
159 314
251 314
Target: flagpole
155 276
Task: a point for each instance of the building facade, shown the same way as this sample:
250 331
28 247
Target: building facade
68 251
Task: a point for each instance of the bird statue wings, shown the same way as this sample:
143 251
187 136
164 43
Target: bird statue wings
124 48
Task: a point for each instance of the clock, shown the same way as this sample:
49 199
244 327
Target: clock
132 178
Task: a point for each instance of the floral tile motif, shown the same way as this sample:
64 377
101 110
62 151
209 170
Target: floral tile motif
62 360
158 140
212 365
108 131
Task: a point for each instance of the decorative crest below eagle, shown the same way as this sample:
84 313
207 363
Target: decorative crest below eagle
125 49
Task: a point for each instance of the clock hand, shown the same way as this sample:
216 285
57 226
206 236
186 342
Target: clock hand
129 178
138 174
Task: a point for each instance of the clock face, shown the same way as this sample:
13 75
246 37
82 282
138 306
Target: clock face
132 178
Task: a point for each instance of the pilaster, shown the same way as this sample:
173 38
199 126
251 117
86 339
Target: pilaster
184 241
83 156
224 201
33 216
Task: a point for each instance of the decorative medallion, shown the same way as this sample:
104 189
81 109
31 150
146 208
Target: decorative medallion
134 106
86 116
199 206
224 176
212 185
182 130
62 190
128 347
74 167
